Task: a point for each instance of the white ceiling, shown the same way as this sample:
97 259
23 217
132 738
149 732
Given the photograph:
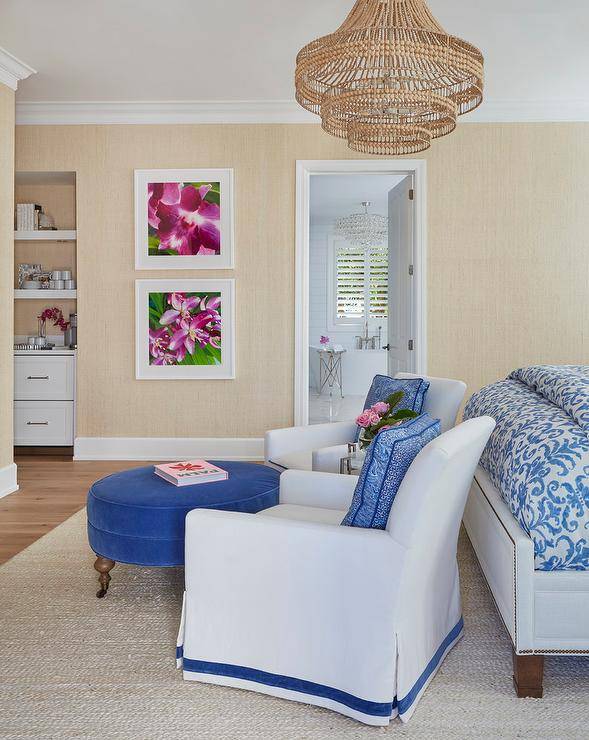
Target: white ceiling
536 51
334 196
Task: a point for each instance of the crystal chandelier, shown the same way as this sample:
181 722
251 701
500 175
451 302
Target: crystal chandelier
363 229
390 79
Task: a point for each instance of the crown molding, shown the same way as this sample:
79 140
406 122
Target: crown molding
12 70
264 111
150 112
529 111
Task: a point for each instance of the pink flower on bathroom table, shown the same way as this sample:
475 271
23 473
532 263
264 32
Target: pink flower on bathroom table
181 307
380 407
189 225
324 340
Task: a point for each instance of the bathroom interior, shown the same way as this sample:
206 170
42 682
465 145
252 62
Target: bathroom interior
348 290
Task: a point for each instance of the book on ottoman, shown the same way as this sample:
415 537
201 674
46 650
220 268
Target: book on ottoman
190 472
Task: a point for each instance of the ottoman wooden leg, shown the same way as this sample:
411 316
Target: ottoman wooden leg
103 566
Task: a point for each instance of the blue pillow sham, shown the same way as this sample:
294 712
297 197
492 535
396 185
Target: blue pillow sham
387 460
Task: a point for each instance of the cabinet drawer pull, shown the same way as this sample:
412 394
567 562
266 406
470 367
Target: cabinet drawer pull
37 423
37 377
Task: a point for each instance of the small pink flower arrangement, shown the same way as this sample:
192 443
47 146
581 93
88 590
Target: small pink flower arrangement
54 314
382 415
324 340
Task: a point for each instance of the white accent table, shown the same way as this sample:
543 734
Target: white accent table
330 369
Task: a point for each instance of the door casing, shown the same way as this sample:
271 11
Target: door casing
307 168
400 324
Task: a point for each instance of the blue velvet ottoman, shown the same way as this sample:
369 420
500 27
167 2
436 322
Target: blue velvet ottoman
136 517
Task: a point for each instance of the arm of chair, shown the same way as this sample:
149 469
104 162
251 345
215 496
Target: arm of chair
327 459
324 490
280 442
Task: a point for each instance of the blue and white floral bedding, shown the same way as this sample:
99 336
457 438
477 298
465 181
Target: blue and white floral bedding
538 457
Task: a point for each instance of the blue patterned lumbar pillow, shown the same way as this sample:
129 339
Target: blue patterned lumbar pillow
414 390
387 460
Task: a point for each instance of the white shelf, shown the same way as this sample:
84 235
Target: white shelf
48 235
44 295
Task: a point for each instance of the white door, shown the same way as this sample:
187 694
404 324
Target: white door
400 341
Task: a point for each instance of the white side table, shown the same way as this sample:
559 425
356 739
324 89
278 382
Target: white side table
330 369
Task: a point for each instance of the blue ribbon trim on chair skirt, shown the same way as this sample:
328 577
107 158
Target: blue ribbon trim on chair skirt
455 633
371 708
376 709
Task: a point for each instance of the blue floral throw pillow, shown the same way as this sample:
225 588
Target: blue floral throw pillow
387 460
414 390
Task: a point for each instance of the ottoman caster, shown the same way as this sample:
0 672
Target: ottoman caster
103 566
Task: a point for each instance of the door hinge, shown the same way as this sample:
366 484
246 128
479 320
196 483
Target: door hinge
410 344
411 194
411 269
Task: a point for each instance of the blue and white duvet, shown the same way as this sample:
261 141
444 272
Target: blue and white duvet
538 457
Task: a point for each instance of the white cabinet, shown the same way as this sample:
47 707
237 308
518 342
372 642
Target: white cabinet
42 423
44 393
44 377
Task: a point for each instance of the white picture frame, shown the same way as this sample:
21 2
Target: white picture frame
152 299
148 218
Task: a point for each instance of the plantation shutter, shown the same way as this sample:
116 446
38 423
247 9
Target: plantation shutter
379 282
361 284
350 284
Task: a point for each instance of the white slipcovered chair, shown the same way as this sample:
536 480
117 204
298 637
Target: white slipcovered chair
321 446
289 603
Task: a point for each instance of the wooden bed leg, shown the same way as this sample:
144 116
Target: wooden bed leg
528 673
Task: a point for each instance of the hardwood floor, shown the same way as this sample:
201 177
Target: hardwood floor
51 490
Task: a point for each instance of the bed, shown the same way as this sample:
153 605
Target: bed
527 515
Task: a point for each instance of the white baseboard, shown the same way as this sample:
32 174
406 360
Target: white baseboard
168 448
8 482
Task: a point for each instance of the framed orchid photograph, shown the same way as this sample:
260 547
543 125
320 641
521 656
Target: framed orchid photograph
184 329
184 219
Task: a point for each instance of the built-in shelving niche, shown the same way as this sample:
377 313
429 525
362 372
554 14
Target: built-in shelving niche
55 250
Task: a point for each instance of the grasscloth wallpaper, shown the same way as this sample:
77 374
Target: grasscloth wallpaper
6 262
508 261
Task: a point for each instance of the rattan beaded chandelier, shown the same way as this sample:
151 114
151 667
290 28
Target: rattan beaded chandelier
390 79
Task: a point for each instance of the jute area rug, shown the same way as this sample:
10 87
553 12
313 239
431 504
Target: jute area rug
74 666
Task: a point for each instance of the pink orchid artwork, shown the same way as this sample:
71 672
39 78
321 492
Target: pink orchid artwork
185 328
184 218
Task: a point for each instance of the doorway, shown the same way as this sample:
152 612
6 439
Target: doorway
360 281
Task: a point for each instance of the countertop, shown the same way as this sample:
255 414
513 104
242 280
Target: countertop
44 352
